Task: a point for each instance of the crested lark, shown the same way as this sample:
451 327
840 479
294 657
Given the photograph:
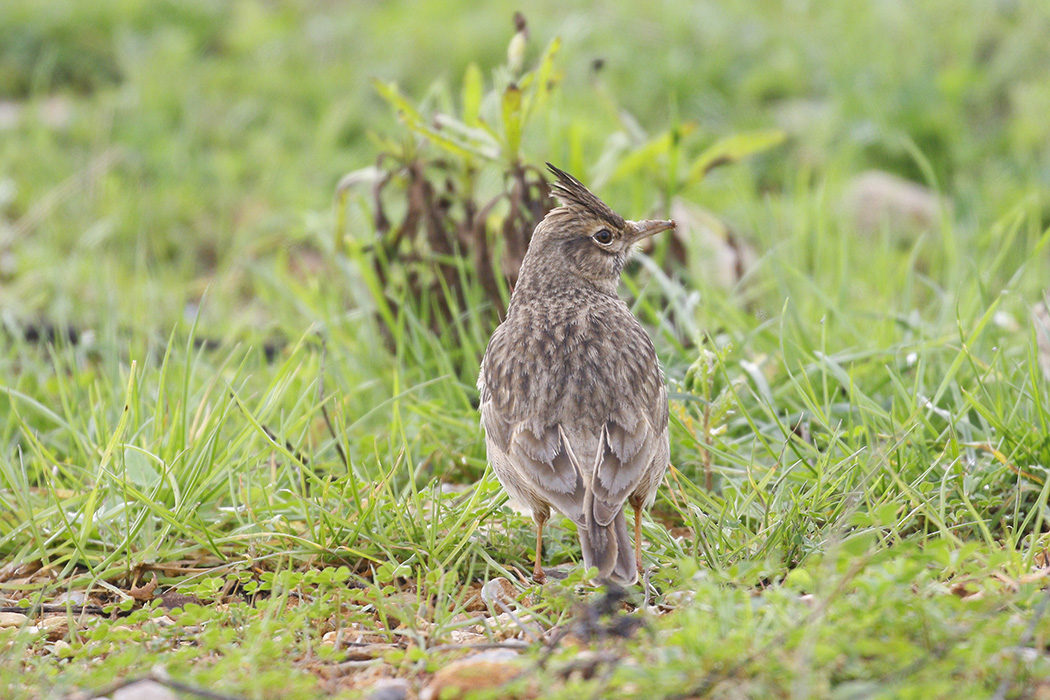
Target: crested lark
572 397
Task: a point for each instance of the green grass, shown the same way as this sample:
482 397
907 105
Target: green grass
869 409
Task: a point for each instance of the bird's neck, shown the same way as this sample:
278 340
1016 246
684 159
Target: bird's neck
546 276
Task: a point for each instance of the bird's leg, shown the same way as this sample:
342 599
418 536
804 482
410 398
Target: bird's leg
638 535
537 570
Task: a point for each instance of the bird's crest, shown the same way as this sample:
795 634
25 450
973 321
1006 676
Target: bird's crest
573 194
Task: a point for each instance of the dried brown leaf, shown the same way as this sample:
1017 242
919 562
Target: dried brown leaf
144 592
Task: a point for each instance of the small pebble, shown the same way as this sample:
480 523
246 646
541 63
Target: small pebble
144 690
12 619
390 689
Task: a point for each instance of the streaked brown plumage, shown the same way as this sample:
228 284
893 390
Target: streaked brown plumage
572 397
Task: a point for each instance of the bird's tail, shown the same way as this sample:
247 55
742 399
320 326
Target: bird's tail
608 547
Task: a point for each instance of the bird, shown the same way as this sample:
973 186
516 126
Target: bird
572 397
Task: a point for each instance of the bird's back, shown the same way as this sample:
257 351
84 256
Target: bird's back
577 361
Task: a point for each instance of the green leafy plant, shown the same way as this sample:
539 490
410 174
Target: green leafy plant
456 195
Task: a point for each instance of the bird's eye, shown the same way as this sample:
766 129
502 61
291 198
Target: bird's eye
604 236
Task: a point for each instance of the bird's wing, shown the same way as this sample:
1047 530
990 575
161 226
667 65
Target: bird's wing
633 448
586 477
623 460
545 464
543 459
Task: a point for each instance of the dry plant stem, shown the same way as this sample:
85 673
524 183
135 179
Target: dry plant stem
324 406
296 455
71 609
537 569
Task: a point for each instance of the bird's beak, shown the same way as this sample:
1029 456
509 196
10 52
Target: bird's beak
644 229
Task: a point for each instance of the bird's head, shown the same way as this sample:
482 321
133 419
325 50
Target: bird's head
585 237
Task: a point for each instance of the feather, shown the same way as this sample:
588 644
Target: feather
572 193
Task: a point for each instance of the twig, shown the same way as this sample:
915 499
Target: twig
324 407
157 676
288 446
517 620
514 644
194 690
74 609
296 455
